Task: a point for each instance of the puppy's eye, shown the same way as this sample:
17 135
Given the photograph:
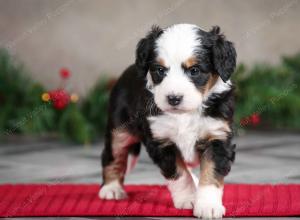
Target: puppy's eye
194 71
161 71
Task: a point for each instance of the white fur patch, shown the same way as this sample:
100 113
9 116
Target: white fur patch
132 161
149 84
219 87
208 202
195 178
185 129
183 191
112 190
177 43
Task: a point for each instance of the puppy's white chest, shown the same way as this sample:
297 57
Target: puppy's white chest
184 130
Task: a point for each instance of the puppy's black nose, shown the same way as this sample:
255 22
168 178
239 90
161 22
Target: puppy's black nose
174 99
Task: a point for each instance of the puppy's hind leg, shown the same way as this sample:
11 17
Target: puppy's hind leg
114 163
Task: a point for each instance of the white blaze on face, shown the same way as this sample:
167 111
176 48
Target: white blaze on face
176 45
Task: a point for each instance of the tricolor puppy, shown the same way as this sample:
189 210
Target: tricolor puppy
177 100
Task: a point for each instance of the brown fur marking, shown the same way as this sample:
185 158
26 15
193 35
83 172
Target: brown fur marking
161 62
116 170
190 62
207 169
225 132
121 139
210 83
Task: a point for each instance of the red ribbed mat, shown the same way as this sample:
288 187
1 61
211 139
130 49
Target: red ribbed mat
144 200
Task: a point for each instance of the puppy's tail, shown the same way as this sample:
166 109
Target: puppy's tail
134 151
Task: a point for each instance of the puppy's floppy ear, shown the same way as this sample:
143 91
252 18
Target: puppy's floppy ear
224 54
145 49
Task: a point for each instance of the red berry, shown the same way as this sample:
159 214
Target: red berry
65 73
59 98
255 119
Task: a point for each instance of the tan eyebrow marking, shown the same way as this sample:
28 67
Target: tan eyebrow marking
161 62
190 62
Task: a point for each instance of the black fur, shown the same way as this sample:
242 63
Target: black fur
145 53
223 155
224 54
217 55
164 157
131 103
107 157
220 105
135 149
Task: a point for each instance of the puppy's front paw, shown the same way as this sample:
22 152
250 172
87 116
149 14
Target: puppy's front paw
206 210
208 203
183 191
184 203
112 190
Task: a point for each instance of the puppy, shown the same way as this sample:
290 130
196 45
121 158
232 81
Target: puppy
177 100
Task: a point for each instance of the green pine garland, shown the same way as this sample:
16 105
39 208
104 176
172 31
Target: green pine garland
272 92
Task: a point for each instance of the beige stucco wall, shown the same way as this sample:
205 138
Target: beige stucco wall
94 37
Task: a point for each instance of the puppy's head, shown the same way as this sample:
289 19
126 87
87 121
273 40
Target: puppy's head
183 64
